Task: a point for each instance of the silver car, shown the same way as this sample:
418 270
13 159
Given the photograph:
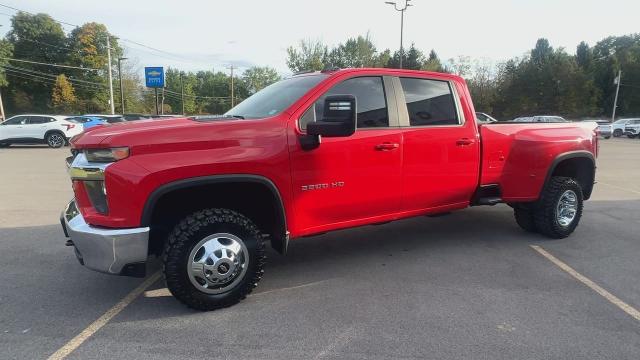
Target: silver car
541 118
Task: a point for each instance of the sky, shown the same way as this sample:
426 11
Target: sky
206 34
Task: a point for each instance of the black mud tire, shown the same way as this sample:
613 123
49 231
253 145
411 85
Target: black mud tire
631 136
188 233
607 137
524 217
618 133
4 145
545 210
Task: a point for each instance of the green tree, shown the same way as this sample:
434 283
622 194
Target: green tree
411 59
354 53
584 55
433 63
308 55
6 51
257 77
88 48
36 38
63 97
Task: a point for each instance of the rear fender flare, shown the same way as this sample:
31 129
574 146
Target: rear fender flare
579 154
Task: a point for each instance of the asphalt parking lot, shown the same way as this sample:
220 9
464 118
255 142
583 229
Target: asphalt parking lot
469 285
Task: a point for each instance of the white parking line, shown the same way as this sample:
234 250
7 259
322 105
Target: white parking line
69 347
595 287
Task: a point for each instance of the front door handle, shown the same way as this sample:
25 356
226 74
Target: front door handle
386 146
464 142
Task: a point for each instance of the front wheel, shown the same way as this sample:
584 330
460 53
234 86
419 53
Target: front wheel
559 209
630 136
618 133
213 259
55 140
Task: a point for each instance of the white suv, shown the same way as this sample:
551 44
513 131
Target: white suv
54 131
632 128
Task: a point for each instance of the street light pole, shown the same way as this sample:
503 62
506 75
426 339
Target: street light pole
121 87
402 10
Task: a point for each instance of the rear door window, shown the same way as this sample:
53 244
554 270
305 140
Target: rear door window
429 102
34 120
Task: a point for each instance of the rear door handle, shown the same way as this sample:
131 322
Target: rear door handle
387 146
464 142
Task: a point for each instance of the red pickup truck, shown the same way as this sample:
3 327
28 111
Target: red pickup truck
312 153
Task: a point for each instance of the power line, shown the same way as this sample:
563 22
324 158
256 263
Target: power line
43 80
30 13
48 64
175 56
42 42
50 79
72 79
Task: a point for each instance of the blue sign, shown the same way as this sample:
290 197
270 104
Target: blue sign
154 77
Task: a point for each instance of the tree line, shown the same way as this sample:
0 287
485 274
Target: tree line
546 80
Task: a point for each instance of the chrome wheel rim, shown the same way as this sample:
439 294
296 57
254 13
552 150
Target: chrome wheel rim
567 208
217 263
55 140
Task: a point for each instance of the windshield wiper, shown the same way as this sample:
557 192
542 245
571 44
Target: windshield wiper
235 116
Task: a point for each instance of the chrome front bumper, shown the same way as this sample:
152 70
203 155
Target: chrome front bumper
111 251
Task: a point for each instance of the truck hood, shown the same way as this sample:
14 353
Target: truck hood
178 134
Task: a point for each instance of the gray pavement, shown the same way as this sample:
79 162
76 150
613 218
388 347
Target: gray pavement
463 286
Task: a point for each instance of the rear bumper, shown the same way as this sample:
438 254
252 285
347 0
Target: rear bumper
111 251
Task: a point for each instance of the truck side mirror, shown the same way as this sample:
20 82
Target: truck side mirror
340 119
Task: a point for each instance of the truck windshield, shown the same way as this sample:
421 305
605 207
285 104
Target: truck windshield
276 97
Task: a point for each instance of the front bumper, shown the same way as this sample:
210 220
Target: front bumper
111 251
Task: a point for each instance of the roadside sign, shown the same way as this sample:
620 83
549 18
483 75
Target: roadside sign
154 76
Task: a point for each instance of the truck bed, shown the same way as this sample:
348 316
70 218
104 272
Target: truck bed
517 156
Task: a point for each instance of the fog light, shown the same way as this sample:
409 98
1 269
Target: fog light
97 195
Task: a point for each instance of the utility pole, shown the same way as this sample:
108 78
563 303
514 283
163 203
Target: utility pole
113 110
155 89
2 117
615 102
121 87
182 91
162 106
232 94
402 10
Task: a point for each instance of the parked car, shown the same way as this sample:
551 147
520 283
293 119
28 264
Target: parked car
618 126
111 119
134 117
484 118
88 121
53 130
165 116
206 192
541 118
605 128
632 128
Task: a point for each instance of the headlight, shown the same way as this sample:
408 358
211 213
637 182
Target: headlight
107 155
